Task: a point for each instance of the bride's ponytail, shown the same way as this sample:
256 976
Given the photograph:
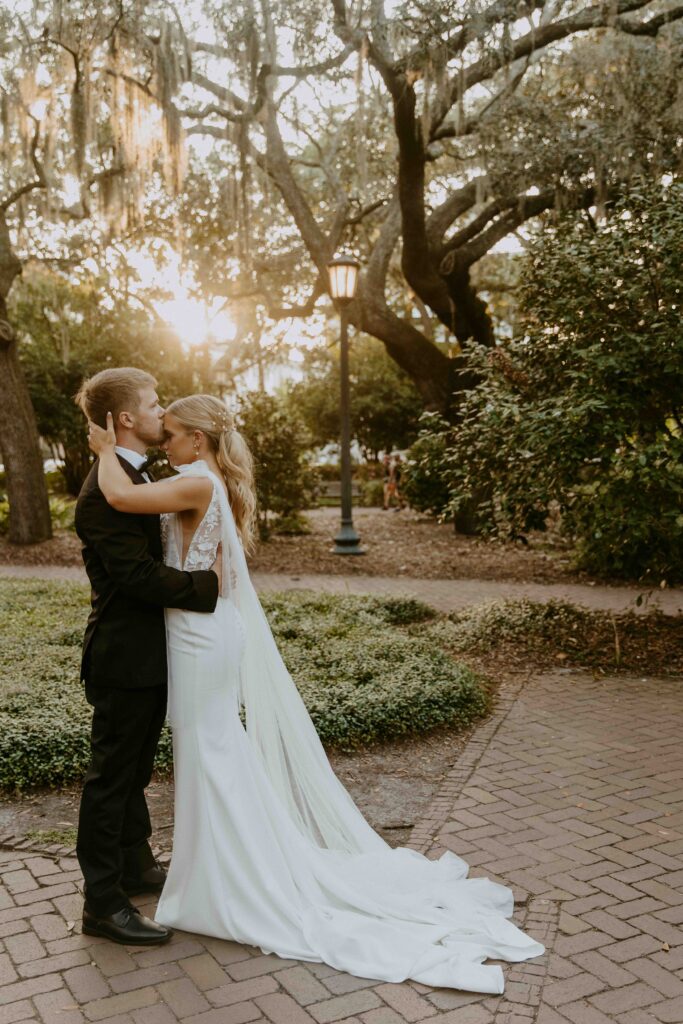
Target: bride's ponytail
209 414
237 467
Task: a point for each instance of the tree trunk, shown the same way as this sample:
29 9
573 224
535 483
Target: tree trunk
471 317
29 520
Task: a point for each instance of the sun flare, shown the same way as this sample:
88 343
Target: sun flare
188 317
194 321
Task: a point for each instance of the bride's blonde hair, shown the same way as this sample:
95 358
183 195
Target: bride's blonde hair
210 415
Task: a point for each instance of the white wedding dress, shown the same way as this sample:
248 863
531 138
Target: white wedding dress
269 849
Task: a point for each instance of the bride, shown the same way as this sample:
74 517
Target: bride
269 849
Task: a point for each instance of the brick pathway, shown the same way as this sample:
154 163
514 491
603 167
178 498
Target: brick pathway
444 595
571 793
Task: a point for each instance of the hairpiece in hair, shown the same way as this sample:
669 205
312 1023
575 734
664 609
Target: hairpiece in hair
221 424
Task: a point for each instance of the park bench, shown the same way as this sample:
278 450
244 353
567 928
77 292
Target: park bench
332 489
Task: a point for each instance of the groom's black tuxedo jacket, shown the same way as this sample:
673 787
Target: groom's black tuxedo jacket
125 638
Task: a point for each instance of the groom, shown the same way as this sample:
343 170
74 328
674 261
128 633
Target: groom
124 664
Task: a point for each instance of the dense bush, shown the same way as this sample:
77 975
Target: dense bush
362 676
286 479
385 404
62 511
370 493
363 680
427 481
583 412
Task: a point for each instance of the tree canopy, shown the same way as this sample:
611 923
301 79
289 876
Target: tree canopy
385 405
261 138
422 137
70 331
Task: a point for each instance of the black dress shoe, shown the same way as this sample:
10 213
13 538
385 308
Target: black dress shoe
151 880
126 926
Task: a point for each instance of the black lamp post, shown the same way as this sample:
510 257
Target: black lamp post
343 273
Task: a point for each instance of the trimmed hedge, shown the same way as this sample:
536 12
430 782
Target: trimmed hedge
363 678
362 675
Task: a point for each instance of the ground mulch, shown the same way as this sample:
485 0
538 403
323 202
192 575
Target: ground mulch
405 543
63 549
397 543
600 642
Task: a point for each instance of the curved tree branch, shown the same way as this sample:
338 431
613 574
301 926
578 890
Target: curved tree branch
459 202
538 39
652 26
40 180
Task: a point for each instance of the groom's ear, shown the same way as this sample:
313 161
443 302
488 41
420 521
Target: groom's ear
124 419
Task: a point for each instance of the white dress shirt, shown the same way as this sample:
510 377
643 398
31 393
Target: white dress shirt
134 458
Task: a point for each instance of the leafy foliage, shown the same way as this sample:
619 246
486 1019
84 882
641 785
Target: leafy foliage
280 445
385 405
583 412
61 512
362 676
426 485
364 681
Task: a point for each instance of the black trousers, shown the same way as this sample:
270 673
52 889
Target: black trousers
113 825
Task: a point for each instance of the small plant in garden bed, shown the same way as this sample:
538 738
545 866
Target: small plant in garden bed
48 836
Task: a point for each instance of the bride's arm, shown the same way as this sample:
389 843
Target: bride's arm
174 495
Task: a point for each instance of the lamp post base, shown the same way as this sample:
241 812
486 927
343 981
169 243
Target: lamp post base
347 542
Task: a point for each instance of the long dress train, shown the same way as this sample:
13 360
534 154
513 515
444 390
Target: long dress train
268 847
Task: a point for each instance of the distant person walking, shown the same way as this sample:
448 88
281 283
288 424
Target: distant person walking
387 480
397 474
392 477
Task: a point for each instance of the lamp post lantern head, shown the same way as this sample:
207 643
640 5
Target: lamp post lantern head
343 272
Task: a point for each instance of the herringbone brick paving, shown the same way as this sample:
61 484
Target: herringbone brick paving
571 793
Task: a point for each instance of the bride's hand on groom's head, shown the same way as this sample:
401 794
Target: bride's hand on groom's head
98 438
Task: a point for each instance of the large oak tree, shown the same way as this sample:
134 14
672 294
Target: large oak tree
423 137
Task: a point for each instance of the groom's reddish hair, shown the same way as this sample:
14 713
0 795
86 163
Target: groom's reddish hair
115 391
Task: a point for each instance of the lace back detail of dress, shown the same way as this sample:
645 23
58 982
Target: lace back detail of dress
169 545
203 548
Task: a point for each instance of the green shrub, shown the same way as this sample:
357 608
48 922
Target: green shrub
631 521
327 471
363 677
61 511
370 493
4 513
426 483
291 524
581 413
285 479
364 681
483 626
